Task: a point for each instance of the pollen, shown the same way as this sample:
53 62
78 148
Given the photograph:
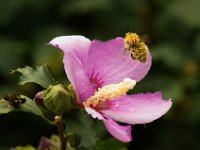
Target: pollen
131 39
111 91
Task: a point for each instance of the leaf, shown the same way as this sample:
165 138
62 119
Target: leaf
110 144
30 106
5 107
41 76
28 147
79 122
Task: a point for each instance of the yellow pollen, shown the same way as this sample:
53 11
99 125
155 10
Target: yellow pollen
110 91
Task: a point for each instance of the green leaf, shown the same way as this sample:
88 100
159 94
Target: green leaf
30 106
41 76
79 122
29 147
110 144
5 107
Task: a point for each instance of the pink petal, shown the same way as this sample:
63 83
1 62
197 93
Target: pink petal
76 44
94 113
122 133
139 108
108 64
75 49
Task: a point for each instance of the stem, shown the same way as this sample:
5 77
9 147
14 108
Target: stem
60 126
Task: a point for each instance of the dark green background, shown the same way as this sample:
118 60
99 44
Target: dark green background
26 26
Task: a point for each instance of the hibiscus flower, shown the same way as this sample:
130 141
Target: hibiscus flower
101 75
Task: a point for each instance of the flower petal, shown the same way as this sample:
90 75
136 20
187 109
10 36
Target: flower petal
75 49
94 113
108 64
122 133
76 44
139 108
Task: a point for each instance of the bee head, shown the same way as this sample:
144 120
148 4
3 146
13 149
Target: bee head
131 39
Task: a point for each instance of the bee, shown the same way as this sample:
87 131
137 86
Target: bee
136 45
14 100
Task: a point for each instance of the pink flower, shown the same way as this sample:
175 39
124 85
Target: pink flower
101 75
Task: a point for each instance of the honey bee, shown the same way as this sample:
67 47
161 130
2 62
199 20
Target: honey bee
14 100
136 45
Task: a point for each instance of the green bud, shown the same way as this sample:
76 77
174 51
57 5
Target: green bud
57 99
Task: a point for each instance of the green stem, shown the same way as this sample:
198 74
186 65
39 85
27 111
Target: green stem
60 126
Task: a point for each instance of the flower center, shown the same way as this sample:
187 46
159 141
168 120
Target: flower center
111 91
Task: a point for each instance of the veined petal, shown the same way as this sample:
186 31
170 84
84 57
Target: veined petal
80 82
139 108
108 64
75 49
122 133
76 44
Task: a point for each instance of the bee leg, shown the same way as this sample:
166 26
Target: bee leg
133 56
124 52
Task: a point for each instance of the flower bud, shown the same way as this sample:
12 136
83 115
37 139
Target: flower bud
57 99
46 144
39 98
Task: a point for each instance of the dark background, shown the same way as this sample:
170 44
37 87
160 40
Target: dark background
26 26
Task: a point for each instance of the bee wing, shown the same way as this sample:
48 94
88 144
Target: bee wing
146 39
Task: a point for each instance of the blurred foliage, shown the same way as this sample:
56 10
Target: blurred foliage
173 27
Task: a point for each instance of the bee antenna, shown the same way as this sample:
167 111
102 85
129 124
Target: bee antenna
131 28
